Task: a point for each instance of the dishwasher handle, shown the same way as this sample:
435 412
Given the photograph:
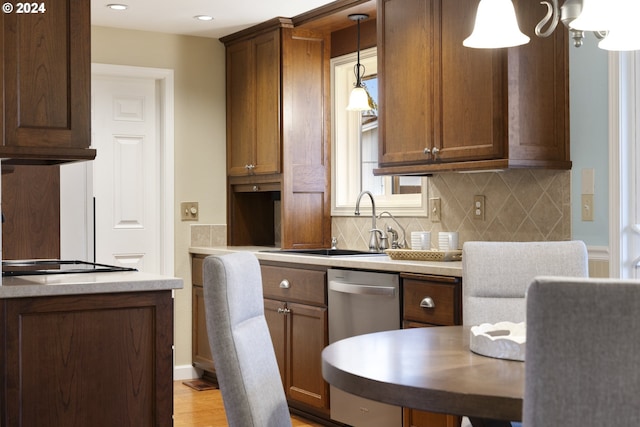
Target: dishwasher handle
354 288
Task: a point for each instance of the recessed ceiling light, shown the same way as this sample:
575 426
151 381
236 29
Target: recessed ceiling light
117 6
203 17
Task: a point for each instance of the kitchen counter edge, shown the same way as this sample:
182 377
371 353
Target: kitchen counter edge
85 283
364 262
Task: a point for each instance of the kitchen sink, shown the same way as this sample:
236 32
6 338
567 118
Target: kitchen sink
327 252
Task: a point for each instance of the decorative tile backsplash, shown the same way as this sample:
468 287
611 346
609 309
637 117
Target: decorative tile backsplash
207 235
520 205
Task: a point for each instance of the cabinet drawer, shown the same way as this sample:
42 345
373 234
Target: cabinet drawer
294 284
196 270
431 302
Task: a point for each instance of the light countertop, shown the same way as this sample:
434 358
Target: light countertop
85 283
359 262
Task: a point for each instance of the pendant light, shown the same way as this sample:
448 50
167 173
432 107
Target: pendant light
623 33
359 99
496 26
594 16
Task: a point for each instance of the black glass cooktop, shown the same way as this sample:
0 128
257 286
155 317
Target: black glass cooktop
55 266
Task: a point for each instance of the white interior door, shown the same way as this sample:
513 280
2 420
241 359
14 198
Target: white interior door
126 172
131 179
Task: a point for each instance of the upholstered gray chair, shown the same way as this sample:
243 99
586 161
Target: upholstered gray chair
582 364
241 346
495 275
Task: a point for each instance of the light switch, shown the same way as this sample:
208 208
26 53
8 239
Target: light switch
434 209
587 207
189 211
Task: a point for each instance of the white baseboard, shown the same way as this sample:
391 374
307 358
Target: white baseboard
598 253
185 372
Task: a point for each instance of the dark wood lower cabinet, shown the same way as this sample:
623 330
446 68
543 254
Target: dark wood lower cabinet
296 312
445 294
88 360
298 334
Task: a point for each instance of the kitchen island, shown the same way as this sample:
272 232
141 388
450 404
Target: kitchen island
87 349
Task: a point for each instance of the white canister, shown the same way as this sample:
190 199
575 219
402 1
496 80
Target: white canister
448 240
420 240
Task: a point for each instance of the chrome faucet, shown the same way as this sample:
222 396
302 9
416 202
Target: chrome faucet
396 243
374 245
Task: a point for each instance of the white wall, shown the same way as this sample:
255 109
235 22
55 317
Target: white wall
589 109
200 147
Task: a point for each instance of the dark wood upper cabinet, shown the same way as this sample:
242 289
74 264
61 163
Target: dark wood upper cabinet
445 107
277 135
46 84
253 101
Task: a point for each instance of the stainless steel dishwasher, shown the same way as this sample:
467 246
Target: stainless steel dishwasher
361 302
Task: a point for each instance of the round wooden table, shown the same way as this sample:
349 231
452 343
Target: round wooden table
430 369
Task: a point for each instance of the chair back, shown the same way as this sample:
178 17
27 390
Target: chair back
495 275
241 345
582 366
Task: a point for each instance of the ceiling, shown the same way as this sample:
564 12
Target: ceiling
177 16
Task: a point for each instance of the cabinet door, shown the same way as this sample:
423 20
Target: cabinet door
539 96
425 80
473 110
240 107
306 199
307 332
266 53
201 351
253 105
409 76
277 323
47 81
88 360
299 333
413 418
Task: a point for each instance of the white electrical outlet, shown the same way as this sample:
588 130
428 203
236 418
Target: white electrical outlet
478 207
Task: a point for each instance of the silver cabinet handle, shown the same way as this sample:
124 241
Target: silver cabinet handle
284 310
285 284
256 188
435 152
427 151
427 302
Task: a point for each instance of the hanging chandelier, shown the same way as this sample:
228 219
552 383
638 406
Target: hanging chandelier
612 21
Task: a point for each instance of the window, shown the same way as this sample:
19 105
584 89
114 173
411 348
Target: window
355 148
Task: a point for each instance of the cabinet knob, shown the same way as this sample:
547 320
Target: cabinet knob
256 188
427 151
427 302
285 284
435 152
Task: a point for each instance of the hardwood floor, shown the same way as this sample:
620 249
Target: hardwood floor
192 408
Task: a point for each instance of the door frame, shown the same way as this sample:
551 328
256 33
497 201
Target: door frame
165 90
624 164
